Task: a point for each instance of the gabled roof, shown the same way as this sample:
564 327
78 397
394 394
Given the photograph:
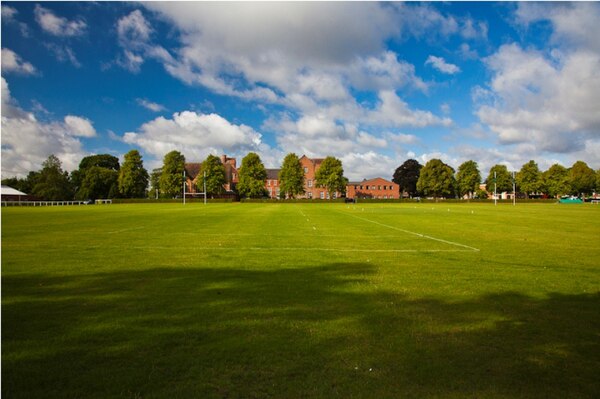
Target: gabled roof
374 180
192 169
273 174
6 190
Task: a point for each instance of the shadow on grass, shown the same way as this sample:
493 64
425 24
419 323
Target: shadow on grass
305 332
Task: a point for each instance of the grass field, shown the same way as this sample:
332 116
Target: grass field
301 301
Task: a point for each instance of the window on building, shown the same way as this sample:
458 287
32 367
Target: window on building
305 170
361 187
322 195
309 183
385 197
334 195
310 194
328 195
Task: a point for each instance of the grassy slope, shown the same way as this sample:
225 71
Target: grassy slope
195 301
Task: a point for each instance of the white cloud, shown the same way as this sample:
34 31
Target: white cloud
574 24
195 135
64 54
8 12
549 102
133 29
12 62
27 142
154 107
441 65
79 127
58 26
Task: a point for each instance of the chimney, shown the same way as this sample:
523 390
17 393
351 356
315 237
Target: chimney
223 159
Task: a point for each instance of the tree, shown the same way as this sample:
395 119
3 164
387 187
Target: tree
556 180
154 182
436 179
291 177
529 178
331 176
253 176
215 175
98 182
102 182
598 181
171 178
133 178
503 180
468 178
582 178
53 183
407 175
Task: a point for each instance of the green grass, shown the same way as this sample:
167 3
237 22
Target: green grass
301 301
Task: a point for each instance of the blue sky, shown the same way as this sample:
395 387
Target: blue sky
370 83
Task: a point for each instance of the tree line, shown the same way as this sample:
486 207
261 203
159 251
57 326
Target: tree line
437 179
101 176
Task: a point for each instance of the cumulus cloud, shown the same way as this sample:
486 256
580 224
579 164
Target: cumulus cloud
12 62
549 102
79 127
441 65
196 135
27 142
58 26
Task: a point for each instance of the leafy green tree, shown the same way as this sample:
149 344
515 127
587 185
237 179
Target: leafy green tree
598 181
436 179
154 182
133 178
253 176
468 178
331 176
503 179
24 185
87 187
53 183
291 177
171 178
407 176
98 183
556 180
582 178
215 175
529 178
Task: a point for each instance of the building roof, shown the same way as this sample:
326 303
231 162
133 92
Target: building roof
273 174
371 181
6 190
192 169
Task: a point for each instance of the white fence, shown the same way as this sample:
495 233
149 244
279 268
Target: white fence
46 203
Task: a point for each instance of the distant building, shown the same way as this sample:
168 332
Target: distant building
311 191
377 188
272 183
10 194
194 179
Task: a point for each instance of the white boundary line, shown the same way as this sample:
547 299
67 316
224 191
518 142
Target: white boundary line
412 232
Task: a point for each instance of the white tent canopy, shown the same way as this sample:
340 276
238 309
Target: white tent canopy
6 190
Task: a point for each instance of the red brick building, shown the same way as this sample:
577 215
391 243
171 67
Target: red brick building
272 183
376 188
311 191
194 179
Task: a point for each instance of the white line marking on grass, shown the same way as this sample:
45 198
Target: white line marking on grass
413 233
124 230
